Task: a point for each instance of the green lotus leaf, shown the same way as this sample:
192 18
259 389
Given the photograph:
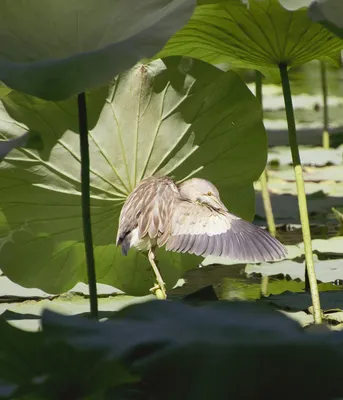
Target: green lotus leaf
179 118
329 13
55 49
15 136
294 4
260 35
7 145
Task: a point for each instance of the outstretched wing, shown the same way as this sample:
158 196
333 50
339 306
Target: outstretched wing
200 230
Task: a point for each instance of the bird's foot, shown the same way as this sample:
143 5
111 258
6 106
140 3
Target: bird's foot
159 291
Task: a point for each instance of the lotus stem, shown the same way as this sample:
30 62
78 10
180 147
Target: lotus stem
85 200
292 135
263 178
325 135
268 210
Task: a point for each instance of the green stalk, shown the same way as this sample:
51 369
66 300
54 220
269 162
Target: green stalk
268 210
263 179
85 199
325 135
292 134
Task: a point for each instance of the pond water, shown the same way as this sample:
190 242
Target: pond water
231 281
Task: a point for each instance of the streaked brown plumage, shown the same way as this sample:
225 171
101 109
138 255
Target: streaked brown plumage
190 217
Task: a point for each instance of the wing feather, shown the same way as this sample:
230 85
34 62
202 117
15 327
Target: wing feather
157 209
185 242
190 244
148 208
240 248
257 251
201 230
226 245
211 245
218 248
200 244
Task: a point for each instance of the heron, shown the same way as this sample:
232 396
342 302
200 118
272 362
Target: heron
189 218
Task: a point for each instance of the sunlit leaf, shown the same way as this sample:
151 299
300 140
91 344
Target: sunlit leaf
187 118
7 145
260 35
11 140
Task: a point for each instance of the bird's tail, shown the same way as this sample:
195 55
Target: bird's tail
124 242
125 245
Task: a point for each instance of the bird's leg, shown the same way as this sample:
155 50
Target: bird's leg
159 286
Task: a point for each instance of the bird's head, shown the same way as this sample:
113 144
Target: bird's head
201 191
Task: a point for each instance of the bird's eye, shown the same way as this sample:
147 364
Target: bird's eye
209 193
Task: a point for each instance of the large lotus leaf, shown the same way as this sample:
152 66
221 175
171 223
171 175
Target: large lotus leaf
155 119
329 13
17 137
7 145
54 49
294 4
260 35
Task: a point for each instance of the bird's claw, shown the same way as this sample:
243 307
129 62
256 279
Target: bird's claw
154 288
158 291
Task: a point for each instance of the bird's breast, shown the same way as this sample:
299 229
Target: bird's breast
141 243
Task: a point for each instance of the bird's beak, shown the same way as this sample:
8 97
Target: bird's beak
213 202
219 203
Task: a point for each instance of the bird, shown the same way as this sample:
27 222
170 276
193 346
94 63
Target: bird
189 217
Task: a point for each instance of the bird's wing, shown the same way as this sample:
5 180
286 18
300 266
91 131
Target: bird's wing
147 208
200 230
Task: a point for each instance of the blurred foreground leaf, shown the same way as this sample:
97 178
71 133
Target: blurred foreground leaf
329 13
238 350
42 367
54 50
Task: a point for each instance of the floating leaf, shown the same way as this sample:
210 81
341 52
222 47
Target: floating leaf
261 36
187 118
315 156
330 300
326 270
55 49
312 174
